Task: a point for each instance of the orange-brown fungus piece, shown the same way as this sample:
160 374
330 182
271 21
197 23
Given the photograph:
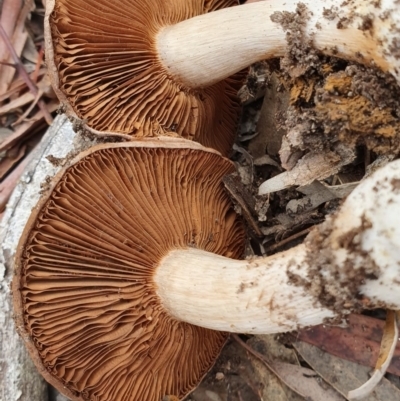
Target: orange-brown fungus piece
84 292
111 76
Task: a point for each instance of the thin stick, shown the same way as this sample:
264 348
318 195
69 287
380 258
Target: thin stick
22 72
289 239
7 64
38 63
252 351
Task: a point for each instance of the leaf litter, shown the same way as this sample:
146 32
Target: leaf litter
26 97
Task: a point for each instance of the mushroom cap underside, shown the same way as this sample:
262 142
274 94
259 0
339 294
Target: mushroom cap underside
84 297
103 64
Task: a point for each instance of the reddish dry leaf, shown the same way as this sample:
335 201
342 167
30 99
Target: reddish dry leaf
390 334
21 71
12 158
8 185
8 19
344 375
17 103
18 95
28 127
359 342
388 345
19 85
302 381
16 33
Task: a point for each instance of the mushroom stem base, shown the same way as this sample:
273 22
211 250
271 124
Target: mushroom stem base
350 262
243 296
208 48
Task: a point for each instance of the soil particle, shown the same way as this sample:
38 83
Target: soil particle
231 379
352 104
395 185
301 55
349 238
55 161
219 376
45 185
379 88
296 279
385 15
367 23
241 288
62 108
330 13
336 286
78 126
357 106
343 23
394 48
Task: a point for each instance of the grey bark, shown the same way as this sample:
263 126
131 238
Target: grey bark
19 379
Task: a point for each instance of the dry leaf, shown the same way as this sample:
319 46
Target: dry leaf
304 383
12 157
358 342
270 131
28 127
317 194
17 103
388 346
313 166
8 185
14 14
344 375
238 379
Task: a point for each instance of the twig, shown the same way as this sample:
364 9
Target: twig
38 63
22 72
289 239
29 109
7 64
259 356
286 372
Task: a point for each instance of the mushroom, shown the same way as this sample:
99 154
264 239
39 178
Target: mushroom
104 67
366 31
349 263
84 296
135 243
145 67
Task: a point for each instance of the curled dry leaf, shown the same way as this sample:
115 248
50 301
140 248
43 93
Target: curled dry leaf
358 342
316 194
388 346
344 375
304 382
12 20
313 166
